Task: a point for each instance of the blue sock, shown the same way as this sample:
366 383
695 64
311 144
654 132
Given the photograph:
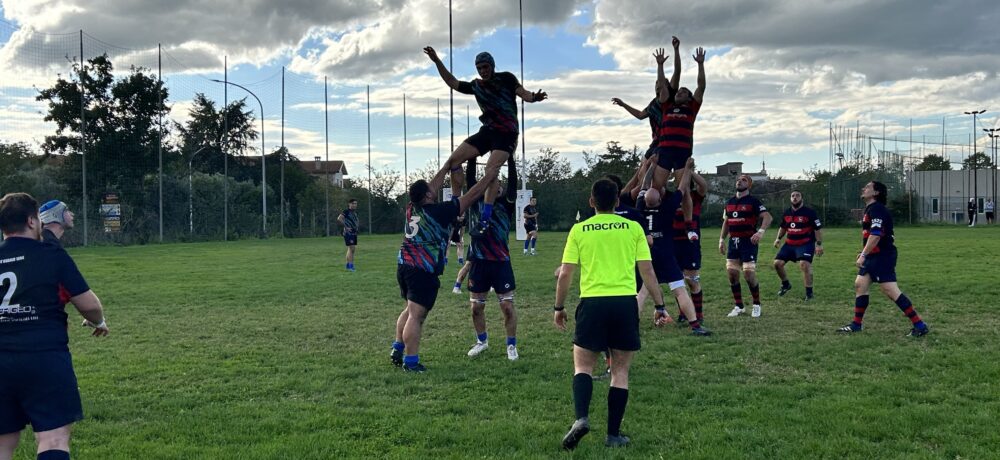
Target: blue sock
482 337
526 243
512 341
458 285
411 360
533 241
487 213
460 261
398 346
348 266
446 261
53 455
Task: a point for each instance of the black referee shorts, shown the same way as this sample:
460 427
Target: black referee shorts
607 322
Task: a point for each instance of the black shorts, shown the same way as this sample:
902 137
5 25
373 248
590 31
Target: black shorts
880 267
417 285
38 388
488 140
803 252
530 226
672 158
651 150
989 215
456 235
350 239
485 274
742 249
607 322
688 254
664 262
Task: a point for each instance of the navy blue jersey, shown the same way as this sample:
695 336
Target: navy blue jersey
632 214
801 225
496 99
51 238
529 209
425 236
659 221
877 221
32 316
655 112
350 221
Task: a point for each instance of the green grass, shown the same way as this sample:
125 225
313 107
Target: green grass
269 349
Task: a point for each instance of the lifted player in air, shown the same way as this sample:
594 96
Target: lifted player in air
653 112
491 267
676 136
421 261
494 93
877 262
743 213
805 238
686 250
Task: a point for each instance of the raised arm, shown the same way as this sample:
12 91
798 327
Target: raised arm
642 115
661 80
699 57
511 194
528 96
675 79
445 74
470 173
475 193
435 183
700 183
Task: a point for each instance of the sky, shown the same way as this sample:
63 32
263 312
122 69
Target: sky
779 72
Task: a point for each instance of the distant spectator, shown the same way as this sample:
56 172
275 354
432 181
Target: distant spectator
972 212
989 212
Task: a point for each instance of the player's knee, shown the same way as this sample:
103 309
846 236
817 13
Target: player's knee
732 273
779 264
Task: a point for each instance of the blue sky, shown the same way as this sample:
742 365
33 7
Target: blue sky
777 76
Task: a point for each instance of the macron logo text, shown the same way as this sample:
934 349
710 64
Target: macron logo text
606 226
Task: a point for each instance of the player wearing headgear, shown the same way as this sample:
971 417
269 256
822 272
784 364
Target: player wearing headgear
740 222
421 262
56 219
805 238
877 262
494 92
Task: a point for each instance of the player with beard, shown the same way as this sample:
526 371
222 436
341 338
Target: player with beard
742 215
805 238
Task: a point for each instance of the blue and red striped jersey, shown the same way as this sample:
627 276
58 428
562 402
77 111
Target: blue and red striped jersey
800 225
742 215
677 125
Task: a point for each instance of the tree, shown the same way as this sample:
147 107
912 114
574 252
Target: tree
615 160
979 160
547 167
121 130
12 157
933 163
208 133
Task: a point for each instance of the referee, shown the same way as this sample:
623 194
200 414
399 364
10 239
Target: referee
607 247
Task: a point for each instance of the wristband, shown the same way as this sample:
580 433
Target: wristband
660 308
862 254
819 243
761 231
103 324
558 308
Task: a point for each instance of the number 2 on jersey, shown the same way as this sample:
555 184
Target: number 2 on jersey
12 286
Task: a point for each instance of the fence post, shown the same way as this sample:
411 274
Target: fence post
83 139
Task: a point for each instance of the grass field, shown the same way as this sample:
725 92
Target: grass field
269 349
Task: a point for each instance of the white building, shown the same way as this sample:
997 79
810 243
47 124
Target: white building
944 195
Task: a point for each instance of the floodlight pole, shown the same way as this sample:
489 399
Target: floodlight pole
263 158
975 165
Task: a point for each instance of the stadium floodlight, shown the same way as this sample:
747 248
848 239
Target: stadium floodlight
263 158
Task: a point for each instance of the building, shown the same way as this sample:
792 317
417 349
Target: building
726 174
335 170
943 196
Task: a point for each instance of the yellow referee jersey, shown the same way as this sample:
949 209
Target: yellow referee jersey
606 247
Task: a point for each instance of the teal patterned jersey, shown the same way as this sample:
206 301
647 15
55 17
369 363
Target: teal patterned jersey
426 234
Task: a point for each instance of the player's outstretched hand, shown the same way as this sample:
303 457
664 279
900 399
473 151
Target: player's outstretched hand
559 319
675 41
100 330
689 164
616 101
429 51
661 56
539 96
699 55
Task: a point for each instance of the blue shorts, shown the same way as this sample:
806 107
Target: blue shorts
742 249
664 263
485 274
350 239
688 254
880 267
38 388
672 158
790 253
